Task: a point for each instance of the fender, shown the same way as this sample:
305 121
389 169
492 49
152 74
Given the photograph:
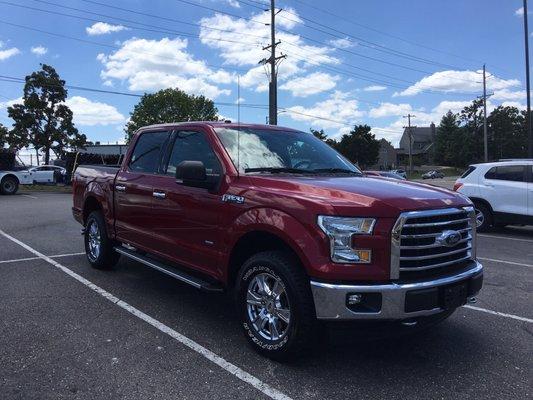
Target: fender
105 200
307 247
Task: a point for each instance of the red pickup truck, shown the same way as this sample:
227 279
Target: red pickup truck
283 222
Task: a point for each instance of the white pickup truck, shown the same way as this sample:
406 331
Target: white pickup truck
10 180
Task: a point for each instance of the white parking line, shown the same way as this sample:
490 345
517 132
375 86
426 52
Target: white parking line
214 358
504 237
499 313
31 197
38 258
505 262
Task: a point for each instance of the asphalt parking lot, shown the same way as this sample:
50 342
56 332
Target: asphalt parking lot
68 331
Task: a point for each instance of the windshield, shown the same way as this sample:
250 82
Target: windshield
265 150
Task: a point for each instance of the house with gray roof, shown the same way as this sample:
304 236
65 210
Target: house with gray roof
423 141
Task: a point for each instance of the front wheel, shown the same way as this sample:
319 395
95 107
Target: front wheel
276 305
98 246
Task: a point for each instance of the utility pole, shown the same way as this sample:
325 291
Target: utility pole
273 62
528 114
409 116
485 138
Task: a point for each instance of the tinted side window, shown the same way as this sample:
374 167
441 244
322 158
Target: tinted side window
514 173
147 152
193 146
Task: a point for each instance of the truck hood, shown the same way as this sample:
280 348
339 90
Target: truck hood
346 193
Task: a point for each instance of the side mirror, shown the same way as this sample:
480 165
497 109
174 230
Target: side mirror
193 173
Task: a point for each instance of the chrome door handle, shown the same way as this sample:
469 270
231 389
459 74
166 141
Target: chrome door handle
159 195
120 188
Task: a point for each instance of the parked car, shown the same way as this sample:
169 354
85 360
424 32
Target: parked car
385 174
502 192
41 173
433 175
293 230
400 172
10 180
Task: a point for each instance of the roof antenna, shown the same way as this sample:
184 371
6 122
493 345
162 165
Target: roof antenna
238 125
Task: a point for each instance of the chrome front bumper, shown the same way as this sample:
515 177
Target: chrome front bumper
331 299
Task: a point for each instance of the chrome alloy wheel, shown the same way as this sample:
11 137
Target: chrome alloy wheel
480 218
94 240
268 306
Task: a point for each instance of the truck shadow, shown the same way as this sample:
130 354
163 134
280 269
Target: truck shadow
346 355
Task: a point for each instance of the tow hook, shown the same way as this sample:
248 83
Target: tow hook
409 322
472 300
83 231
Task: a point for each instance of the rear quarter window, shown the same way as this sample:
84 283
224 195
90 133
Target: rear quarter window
468 171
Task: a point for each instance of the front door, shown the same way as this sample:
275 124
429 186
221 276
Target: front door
186 219
134 190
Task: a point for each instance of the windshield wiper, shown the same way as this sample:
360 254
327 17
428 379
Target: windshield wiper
337 170
276 170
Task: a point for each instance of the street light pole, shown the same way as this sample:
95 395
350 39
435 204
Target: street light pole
528 115
485 138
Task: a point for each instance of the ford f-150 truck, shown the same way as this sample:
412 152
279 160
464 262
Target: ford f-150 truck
288 226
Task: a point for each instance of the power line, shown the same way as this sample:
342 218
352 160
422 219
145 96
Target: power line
226 68
159 30
413 43
12 79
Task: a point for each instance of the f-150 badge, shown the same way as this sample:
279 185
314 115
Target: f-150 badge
231 198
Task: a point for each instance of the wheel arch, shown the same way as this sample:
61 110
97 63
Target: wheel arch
10 175
253 242
90 204
481 201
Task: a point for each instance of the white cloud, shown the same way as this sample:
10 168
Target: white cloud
317 82
389 110
103 28
39 50
458 81
5 104
506 94
8 53
338 107
342 43
444 106
519 12
156 64
240 42
90 113
374 88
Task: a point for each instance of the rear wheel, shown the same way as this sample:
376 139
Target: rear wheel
98 246
9 185
276 305
483 217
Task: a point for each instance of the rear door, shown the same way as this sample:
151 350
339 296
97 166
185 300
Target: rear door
134 189
505 187
186 219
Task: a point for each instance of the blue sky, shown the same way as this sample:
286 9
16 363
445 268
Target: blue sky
381 61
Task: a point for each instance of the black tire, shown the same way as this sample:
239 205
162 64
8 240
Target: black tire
484 217
9 185
105 257
299 334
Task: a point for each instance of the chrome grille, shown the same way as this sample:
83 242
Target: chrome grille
422 241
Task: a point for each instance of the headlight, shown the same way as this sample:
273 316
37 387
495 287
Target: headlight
340 231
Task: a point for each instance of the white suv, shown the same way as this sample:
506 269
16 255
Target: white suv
501 191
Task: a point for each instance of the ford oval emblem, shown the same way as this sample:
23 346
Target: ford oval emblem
448 238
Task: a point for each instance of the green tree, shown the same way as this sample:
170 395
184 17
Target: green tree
448 132
3 136
471 143
508 138
360 146
320 134
170 105
43 121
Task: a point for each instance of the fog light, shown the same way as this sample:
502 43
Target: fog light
354 299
